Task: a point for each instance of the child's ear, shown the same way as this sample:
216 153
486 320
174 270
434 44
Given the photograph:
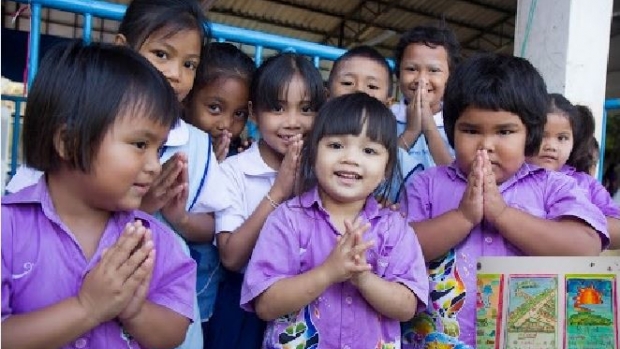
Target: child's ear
59 143
251 115
120 40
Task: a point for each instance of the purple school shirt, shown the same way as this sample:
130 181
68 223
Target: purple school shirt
42 263
298 237
450 318
594 191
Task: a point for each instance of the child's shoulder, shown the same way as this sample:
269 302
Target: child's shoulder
159 230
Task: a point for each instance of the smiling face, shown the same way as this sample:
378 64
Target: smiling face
501 133
361 74
125 165
557 143
349 168
421 62
293 115
177 56
220 106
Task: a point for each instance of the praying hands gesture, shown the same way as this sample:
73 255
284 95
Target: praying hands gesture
482 198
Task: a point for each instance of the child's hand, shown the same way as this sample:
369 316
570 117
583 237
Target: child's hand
357 230
423 106
166 185
494 204
471 205
285 181
348 256
109 287
222 144
174 210
136 302
245 144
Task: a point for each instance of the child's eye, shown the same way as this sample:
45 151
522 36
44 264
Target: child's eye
346 83
191 65
370 151
307 109
241 114
563 138
334 145
434 70
160 54
469 131
411 68
214 108
278 109
373 87
506 132
141 145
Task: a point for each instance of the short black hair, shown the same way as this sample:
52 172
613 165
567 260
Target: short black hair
430 36
347 115
362 52
168 17
81 90
224 60
500 83
582 125
272 78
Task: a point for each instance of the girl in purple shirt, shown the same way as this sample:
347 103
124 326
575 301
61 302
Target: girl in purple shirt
566 147
490 202
331 269
79 262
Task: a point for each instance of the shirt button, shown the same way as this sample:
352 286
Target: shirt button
349 300
80 343
488 239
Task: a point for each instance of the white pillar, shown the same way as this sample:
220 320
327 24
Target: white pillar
568 42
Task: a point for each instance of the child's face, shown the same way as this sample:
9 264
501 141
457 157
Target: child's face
349 168
293 116
557 143
126 163
421 62
221 105
176 56
501 133
363 75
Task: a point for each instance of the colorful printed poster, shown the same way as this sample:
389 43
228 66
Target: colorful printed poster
489 307
591 312
532 312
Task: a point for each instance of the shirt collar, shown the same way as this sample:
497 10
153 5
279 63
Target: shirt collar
311 199
178 135
252 162
567 169
39 194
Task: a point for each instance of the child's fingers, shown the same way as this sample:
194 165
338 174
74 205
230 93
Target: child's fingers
121 250
135 261
141 274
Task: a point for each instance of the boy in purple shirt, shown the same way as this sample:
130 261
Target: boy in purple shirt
567 147
79 267
320 280
489 202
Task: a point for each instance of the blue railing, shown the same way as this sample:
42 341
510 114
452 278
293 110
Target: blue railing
220 32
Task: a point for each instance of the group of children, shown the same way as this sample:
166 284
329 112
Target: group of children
136 165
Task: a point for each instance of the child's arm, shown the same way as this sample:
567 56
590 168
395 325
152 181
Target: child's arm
534 236
386 293
292 293
436 144
236 247
454 225
105 292
155 326
613 228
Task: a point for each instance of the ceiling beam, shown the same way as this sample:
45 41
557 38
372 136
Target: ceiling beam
493 7
484 32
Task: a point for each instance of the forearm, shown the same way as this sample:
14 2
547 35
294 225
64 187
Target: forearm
613 227
541 237
408 138
236 248
50 327
197 227
437 146
291 294
438 235
391 299
157 327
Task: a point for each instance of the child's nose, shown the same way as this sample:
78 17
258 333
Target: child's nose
152 165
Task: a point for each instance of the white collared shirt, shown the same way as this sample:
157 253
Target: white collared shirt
249 179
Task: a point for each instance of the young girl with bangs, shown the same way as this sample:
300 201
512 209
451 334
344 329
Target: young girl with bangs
331 269
285 95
